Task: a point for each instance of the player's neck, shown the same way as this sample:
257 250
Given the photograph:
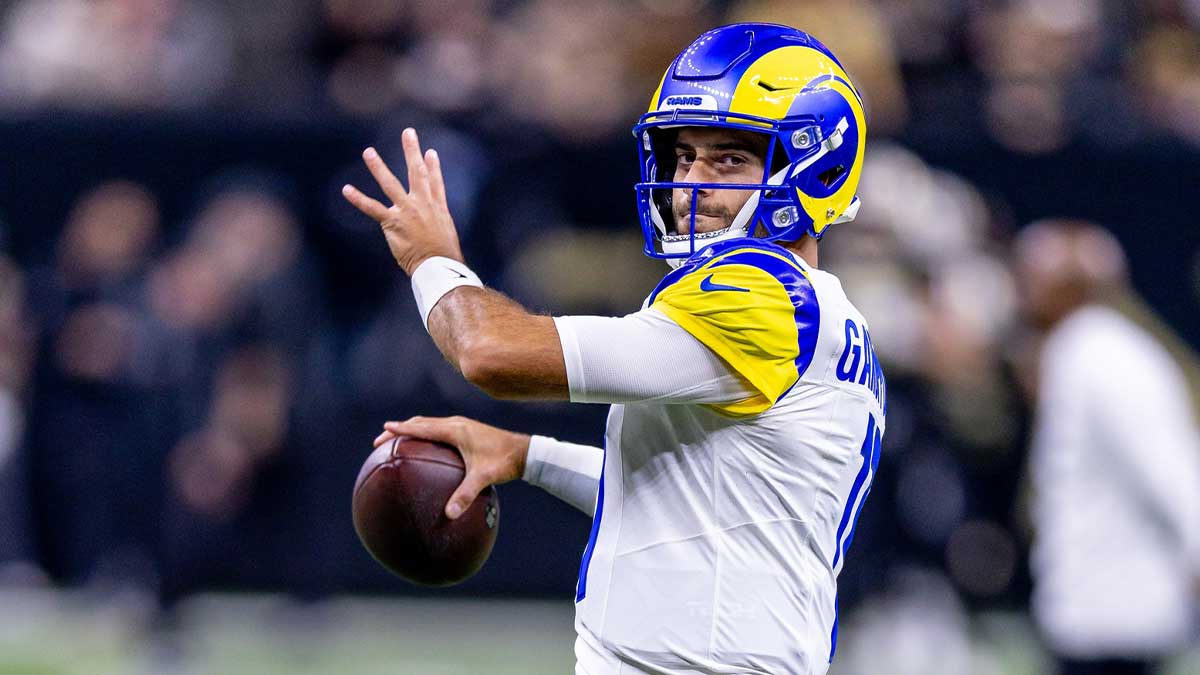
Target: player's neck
805 247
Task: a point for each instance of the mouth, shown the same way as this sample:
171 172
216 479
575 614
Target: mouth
705 224
683 217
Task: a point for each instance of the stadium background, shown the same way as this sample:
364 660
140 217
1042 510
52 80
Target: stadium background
199 338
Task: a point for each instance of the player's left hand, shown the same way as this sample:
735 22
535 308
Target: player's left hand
418 223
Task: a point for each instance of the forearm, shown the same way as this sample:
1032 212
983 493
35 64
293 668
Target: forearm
568 471
498 345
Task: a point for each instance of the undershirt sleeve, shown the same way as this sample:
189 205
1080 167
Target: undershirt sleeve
568 471
644 356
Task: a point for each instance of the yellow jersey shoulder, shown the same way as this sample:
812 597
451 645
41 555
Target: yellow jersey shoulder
755 307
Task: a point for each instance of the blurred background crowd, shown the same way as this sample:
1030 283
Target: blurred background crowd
199 338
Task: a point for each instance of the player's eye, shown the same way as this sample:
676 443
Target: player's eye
685 157
733 160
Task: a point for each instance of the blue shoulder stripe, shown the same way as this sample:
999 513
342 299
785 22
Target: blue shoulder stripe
705 255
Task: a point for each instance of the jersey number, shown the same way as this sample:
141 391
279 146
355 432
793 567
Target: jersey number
862 486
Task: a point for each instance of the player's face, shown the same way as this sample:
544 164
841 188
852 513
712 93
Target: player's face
712 155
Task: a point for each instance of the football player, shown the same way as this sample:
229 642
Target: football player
747 403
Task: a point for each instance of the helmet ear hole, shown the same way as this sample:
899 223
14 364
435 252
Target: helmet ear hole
662 145
829 176
662 202
779 158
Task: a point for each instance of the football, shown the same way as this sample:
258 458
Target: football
399 513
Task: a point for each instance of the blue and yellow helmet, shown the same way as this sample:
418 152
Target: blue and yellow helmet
768 79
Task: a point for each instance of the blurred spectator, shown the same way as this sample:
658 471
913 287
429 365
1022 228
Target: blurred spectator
94 396
240 275
211 469
365 18
16 532
269 49
1027 103
91 296
923 31
1116 464
239 304
581 272
122 53
567 67
110 232
858 33
447 65
1164 72
239 280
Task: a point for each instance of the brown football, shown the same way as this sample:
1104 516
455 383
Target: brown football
399 509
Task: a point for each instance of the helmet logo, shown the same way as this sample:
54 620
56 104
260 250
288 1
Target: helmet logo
706 101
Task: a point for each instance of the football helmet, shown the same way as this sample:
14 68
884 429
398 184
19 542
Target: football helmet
768 79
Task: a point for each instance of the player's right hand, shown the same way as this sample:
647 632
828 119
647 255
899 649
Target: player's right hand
492 455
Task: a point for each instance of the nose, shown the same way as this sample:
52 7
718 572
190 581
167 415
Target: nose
699 172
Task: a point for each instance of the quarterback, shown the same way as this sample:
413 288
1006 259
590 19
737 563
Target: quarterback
747 403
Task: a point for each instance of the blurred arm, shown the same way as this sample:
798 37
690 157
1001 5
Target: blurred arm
1153 433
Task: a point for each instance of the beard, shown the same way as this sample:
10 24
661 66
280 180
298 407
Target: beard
681 208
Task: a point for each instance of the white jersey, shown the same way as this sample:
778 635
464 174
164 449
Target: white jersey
1116 467
720 528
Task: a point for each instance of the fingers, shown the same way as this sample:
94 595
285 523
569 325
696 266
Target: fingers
437 186
450 430
418 173
424 177
363 203
383 438
445 430
384 176
441 429
466 493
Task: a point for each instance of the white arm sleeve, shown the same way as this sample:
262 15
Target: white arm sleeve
644 356
568 471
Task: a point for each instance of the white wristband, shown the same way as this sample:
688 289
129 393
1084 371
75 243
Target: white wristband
435 277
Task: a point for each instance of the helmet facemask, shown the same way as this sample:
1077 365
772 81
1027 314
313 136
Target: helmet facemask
773 210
